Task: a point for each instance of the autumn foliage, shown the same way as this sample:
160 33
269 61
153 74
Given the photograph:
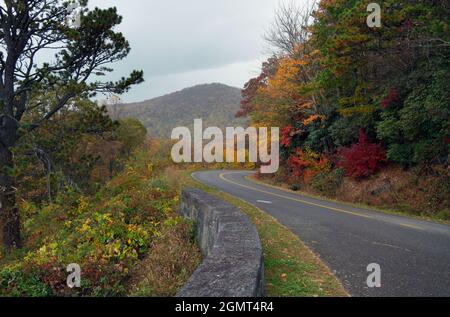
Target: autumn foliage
362 159
344 82
305 164
131 218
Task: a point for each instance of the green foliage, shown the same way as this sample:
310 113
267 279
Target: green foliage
344 131
131 133
15 282
79 149
444 215
327 183
417 132
66 151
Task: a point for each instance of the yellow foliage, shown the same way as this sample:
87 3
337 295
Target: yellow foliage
358 110
312 118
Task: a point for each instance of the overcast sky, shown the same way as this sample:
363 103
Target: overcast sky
181 43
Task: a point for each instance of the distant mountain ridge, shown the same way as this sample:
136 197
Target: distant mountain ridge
215 103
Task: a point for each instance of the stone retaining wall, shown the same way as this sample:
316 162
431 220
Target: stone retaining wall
233 260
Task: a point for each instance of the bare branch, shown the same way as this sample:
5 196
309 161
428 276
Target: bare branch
290 28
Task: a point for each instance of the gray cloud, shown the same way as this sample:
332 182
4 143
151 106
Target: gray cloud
178 42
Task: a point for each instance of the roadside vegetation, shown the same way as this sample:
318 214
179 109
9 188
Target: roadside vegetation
363 111
291 268
75 186
116 215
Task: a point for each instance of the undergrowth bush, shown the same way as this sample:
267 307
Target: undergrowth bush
362 159
106 234
327 183
171 260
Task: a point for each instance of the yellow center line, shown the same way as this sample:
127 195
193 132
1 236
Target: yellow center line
222 176
410 226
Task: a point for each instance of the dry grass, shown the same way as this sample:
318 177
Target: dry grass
172 260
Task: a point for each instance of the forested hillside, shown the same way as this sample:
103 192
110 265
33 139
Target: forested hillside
214 103
364 111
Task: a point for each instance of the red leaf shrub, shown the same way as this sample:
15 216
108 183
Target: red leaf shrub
286 137
305 164
362 159
392 97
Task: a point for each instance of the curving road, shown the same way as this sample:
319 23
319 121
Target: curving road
414 255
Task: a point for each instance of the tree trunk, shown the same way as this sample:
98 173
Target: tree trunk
9 213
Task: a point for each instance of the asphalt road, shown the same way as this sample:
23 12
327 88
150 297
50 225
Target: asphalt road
414 255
